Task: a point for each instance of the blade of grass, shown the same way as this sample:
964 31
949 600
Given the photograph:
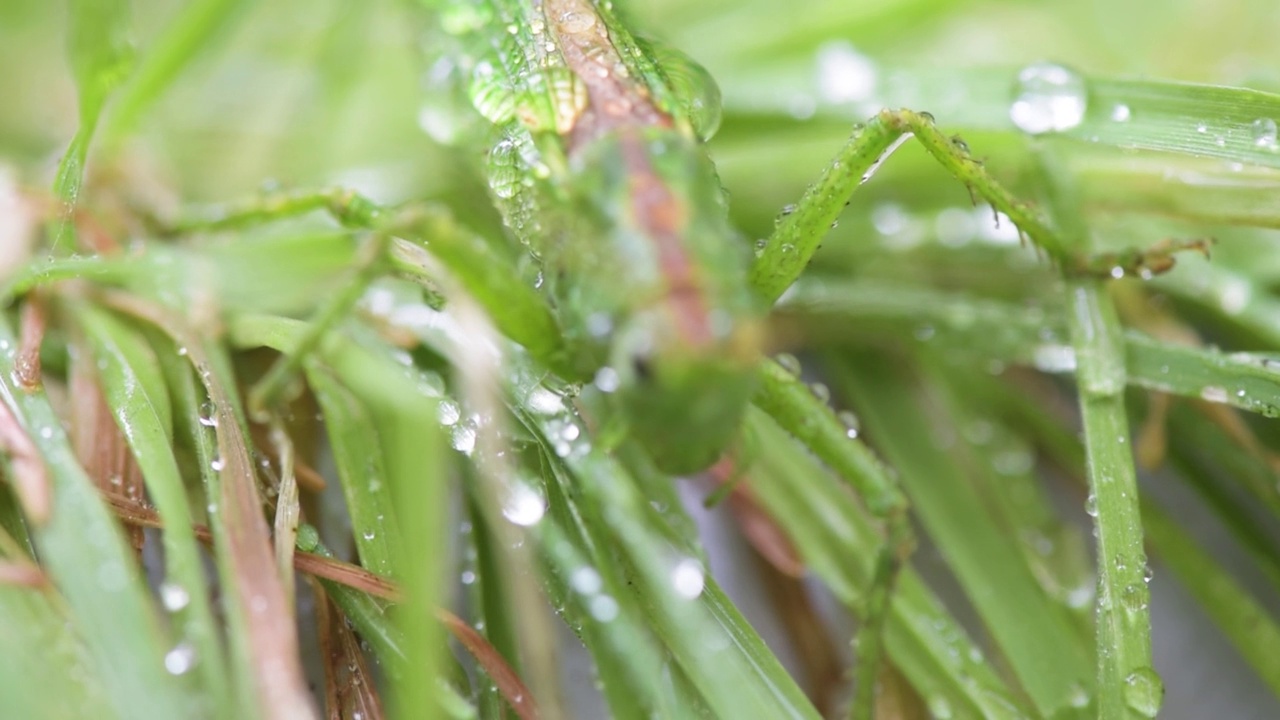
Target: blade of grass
838 541
1128 686
197 26
264 637
1035 634
101 56
723 657
44 671
84 553
135 390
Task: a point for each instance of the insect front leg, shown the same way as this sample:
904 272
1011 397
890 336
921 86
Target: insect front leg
784 255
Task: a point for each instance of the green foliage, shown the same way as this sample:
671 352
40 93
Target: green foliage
456 382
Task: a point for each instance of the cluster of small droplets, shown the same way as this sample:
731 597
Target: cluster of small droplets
821 392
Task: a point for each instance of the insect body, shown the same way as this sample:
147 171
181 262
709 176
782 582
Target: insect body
627 216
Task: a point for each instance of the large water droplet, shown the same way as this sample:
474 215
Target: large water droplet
1055 358
687 578
844 74
523 505
173 596
448 412
1264 132
693 87
603 608
1050 98
180 659
1144 691
586 580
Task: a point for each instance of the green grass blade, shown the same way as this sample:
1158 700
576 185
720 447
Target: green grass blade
354 436
1033 632
197 26
101 56
1127 684
838 541
84 553
722 656
44 672
135 390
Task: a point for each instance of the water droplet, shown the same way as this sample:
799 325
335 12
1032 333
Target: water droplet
693 87
1091 505
889 219
607 379
821 392
1054 358
545 402
1120 113
599 324
1117 272
505 169
217 464
586 580
1214 393
1050 98
603 608
468 577
463 439
173 596
1144 691
850 422
789 363
448 412
523 505
1147 574
844 74
1079 696
1264 132
368 534
208 415
1234 295
180 659
687 578
1134 597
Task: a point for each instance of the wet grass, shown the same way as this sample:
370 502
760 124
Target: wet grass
272 450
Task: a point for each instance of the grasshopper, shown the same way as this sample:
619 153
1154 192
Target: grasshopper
598 166
625 213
